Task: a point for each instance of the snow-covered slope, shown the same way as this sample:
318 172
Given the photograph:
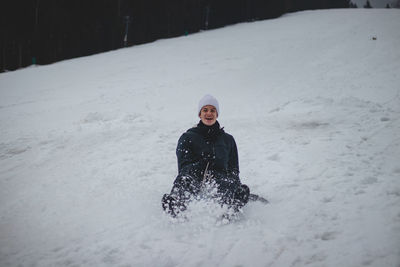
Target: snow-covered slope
87 147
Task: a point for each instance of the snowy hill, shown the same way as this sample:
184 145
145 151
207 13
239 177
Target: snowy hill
87 147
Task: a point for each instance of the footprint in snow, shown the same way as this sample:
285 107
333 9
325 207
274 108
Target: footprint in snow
326 236
327 199
369 180
274 157
385 119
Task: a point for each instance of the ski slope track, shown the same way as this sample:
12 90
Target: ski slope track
87 148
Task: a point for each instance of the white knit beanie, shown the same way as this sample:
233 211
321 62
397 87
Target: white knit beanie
208 100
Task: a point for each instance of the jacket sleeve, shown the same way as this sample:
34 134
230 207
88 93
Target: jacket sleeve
233 163
188 164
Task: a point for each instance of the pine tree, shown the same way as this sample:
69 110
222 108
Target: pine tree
367 4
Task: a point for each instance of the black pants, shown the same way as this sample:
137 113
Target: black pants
229 191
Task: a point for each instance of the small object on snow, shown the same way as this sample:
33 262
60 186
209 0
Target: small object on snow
374 38
254 197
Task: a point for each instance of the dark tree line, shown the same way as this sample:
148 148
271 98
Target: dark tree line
46 31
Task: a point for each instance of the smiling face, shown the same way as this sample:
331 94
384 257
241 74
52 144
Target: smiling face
208 115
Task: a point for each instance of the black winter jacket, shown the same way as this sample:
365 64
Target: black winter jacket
208 144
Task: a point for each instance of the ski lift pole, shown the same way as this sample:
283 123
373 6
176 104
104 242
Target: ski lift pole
127 21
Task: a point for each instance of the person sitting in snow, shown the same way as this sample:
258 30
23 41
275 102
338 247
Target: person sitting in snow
207 155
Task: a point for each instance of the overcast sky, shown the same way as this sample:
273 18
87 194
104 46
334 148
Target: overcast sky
374 3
